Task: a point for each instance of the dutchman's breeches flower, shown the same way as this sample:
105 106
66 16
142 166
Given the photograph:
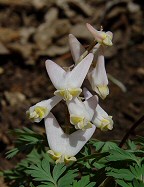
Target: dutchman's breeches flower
39 111
64 147
103 38
68 83
81 113
98 77
100 118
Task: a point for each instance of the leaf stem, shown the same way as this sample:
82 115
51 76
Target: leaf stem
134 126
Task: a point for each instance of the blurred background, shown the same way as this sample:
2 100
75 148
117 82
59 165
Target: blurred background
32 31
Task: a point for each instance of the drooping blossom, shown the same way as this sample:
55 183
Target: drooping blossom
101 119
40 110
103 38
68 83
98 77
81 113
64 147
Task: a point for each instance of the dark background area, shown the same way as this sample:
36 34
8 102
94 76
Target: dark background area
32 31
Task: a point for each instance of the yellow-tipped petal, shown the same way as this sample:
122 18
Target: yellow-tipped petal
106 124
80 122
107 41
59 158
54 156
68 159
103 91
37 114
68 94
75 119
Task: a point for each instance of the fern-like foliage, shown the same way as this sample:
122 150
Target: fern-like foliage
26 141
99 164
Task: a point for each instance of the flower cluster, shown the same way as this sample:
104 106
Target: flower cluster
85 113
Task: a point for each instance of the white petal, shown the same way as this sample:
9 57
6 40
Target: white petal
76 107
56 74
87 94
49 103
91 105
57 139
78 74
76 48
99 73
98 35
78 139
99 115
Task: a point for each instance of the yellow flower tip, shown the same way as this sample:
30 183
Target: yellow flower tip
103 91
41 111
53 155
68 94
106 39
106 124
38 113
80 122
59 158
68 159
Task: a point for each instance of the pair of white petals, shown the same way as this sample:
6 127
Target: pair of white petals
67 83
64 146
100 118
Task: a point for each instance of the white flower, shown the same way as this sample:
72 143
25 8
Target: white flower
104 38
64 147
68 83
101 119
40 110
77 48
98 77
81 113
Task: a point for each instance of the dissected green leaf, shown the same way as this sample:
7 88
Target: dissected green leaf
84 182
58 170
26 141
120 154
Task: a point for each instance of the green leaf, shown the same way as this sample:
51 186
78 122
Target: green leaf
123 183
103 146
84 182
120 154
58 170
41 171
26 141
48 184
131 145
67 179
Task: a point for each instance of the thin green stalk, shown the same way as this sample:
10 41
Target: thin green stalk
91 46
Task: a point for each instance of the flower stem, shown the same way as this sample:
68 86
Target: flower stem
134 126
91 46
